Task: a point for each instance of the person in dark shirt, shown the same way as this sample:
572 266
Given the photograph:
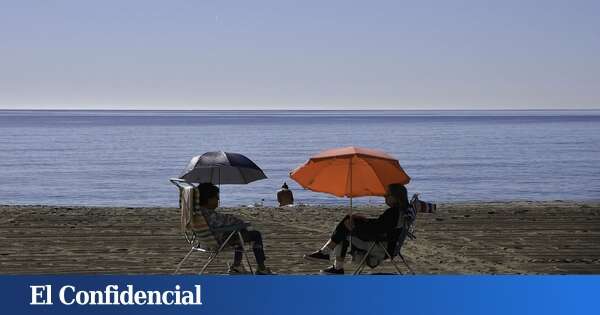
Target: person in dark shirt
285 196
209 201
367 229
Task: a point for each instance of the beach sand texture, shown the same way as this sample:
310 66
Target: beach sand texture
474 238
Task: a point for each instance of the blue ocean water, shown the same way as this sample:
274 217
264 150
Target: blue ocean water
126 157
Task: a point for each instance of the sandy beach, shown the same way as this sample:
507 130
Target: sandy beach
473 238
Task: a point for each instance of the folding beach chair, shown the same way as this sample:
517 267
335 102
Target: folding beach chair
202 238
422 206
372 253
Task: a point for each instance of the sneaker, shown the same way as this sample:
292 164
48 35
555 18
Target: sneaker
237 270
332 271
317 256
263 271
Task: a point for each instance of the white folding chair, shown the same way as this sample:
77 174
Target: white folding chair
202 237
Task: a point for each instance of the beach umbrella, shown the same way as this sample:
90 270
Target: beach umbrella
350 172
222 168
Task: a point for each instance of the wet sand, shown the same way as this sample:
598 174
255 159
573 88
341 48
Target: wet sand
473 238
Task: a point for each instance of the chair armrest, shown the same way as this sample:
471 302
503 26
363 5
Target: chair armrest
230 228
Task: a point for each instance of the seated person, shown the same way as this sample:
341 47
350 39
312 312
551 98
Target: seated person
285 196
365 229
209 201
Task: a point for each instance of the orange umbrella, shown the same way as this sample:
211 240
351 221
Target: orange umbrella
350 172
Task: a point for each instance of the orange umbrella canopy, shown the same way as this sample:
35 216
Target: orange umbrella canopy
350 172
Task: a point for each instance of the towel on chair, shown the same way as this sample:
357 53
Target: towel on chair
186 202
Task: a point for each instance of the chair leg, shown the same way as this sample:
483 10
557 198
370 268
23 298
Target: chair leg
226 241
209 261
407 266
391 258
245 253
363 260
215 254
183 260
362 268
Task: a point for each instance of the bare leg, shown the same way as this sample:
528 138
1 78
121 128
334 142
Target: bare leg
328 247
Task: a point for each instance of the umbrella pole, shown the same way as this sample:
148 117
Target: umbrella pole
351 219
350 207
350 193
351 225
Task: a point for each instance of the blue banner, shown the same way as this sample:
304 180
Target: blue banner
300 294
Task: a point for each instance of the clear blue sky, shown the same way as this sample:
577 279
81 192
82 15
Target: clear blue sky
299 54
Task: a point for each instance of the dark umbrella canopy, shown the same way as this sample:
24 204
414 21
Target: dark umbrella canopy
222 168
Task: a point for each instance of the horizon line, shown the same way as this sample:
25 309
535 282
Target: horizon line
308 109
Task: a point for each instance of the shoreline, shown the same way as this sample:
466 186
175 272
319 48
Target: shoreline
517 237
327 205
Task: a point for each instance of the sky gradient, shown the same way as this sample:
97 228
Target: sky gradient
299 54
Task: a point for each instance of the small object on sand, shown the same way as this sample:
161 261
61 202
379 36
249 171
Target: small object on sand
259 204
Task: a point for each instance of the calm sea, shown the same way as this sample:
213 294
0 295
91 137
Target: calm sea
126 157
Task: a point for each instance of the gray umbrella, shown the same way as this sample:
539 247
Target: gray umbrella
222 168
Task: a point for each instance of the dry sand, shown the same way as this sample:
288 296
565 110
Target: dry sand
475 238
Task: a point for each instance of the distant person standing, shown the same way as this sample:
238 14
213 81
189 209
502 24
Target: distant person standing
285 196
